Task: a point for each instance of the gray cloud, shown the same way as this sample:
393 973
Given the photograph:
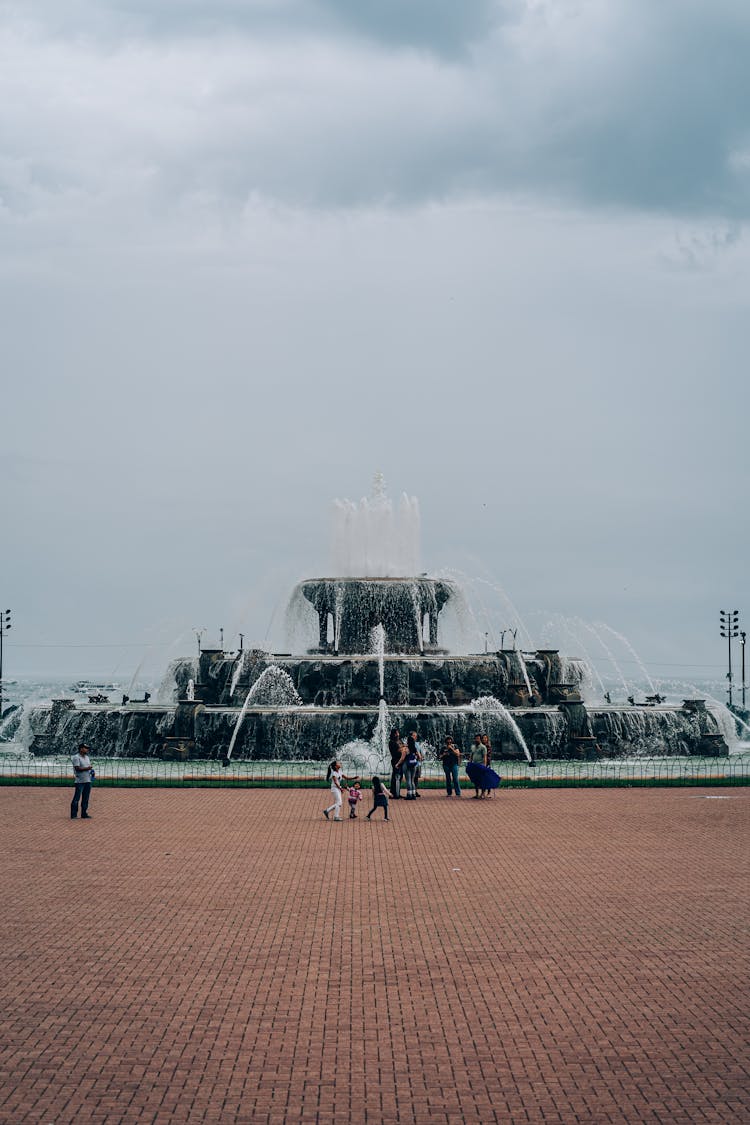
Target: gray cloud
246 262
632 105
442 26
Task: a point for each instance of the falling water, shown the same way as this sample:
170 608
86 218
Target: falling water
381 731
372 539
458 623
237 726
370 757
239 668
378 647
169 688
725 720
487 704
274 688
525 672
338 612
515 616
140 664
190 690
608 651
159 647
624 640
564 623
417 614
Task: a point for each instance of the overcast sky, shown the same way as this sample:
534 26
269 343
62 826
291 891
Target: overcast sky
253 251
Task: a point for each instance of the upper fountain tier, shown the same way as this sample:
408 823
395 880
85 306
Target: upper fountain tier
376 554
350 608
374 538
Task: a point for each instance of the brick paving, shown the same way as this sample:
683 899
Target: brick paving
228 956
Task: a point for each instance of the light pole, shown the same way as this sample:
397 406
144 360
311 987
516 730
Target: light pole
729 628
742 643
4 627
198 634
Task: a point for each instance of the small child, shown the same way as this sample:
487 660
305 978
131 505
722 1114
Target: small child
380 797
355 795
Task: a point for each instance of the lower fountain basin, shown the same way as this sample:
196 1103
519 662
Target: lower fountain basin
193 730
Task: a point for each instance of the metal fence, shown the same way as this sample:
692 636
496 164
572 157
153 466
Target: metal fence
132 772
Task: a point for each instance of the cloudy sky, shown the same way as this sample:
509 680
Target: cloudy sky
253 251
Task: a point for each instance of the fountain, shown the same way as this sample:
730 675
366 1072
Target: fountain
373 658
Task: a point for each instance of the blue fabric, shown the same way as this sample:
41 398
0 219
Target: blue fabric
482 776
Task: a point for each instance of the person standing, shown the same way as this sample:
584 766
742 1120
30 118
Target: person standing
411 762
355 795
380 797
418 770
451 759
83 775
487 759
478 755
337 778
396 751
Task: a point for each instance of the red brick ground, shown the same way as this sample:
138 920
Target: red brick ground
224 956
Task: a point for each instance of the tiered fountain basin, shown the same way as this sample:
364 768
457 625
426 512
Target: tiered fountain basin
348 610
377 663
339 704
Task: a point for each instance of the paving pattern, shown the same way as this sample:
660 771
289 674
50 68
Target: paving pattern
229 956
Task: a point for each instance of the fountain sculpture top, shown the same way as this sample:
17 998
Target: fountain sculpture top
372 539
350 608
376 559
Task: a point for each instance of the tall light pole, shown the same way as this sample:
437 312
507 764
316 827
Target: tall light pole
742 644
729 628
4 627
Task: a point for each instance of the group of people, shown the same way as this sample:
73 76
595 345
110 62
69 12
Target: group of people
406 764
406 769
407 758
340 781
451 758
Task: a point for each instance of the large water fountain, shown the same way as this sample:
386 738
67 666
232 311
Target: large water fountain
372 659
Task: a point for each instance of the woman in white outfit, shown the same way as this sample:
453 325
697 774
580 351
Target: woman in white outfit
337 777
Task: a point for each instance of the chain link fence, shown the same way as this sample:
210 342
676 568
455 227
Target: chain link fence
19 769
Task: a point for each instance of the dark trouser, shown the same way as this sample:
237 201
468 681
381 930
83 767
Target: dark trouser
395 786
451 779
381 802
81 793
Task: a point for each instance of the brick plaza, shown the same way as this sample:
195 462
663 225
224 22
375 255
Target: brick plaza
228 956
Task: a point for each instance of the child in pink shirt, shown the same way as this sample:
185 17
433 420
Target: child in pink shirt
355 795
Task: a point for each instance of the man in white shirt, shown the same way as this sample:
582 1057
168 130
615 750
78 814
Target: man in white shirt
82 769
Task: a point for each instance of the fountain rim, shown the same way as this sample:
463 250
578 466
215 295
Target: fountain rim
406 580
